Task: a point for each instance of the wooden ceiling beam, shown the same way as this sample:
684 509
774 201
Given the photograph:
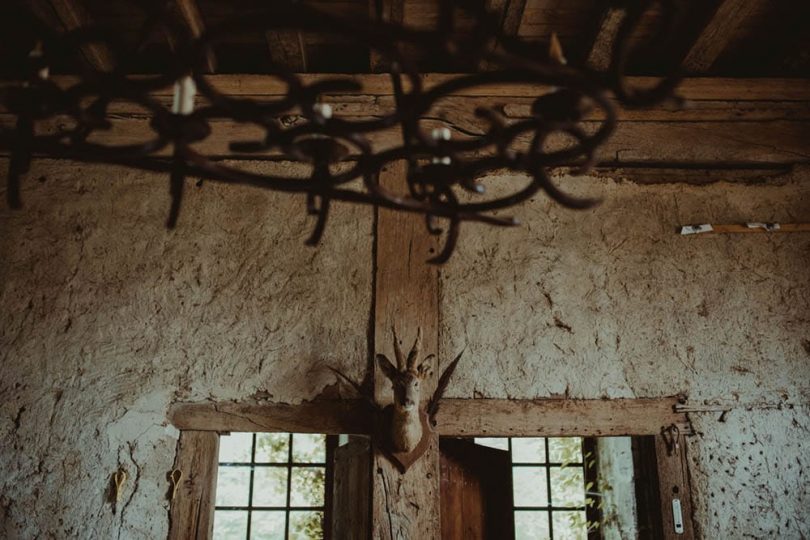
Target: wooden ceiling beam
601 50
512 16
188 13
287 49
67 15
718 33
388 11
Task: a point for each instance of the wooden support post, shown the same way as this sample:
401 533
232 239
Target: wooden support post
511 16
192 507
287 49
406 295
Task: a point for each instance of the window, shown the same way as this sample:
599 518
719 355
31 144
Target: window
551 480
271 486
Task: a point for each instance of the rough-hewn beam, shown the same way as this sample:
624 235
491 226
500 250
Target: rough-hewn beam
601 49
287 49
457 417
511 16
188 13
66 15
191 513
717 34
406 296
389 11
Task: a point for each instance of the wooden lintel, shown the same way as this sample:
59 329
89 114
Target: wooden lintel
329 417
601 50
718 33
457 417
67 15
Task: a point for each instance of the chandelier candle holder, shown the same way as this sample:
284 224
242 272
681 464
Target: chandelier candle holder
444 174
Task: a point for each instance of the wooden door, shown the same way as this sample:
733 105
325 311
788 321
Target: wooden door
476 491
351 503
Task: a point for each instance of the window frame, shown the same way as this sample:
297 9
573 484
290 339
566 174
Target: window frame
191 510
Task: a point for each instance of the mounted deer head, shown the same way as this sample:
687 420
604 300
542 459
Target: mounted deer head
400 428
406 378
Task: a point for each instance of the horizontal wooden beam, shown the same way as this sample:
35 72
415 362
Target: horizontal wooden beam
691 89
456 418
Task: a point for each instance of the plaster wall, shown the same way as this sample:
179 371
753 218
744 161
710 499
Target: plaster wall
108 318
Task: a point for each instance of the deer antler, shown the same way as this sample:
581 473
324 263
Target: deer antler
414 354
398 350
444 381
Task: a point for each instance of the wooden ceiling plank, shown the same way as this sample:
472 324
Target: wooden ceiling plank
718 33
287 49
601 50
388 11
67 15
188 13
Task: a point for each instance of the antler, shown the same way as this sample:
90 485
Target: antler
398 350
414 354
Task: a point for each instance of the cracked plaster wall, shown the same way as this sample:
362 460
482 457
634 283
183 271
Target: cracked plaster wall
108 318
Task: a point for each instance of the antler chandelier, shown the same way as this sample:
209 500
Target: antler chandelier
443 175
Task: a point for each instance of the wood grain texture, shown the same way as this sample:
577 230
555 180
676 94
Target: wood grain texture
718 33
406 288
456 418
558 417
673 482
351 490
600 53
329 417
191 515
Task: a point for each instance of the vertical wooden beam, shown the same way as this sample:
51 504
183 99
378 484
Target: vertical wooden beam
406 295
188 13
287 49
673 483
67 15
388 11
717 33
192 510
601 50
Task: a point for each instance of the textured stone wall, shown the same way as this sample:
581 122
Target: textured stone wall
108 318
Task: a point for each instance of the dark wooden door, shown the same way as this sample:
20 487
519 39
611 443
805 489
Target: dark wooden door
476 492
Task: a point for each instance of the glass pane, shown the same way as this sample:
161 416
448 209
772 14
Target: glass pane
309 448
531 526
267 525
565 450
529 450
500 443
307 486
230 525
272 447
570 526
233 484
235 448
567 486
529 484
270 486
306 525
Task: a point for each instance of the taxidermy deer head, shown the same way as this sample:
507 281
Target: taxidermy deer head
400 429
406 378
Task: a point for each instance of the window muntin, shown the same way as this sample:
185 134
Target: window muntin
271 486
549 486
